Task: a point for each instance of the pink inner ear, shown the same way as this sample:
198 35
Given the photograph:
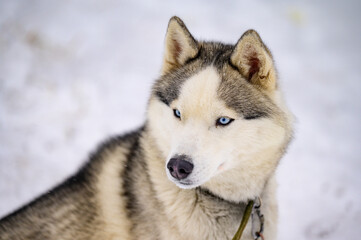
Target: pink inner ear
176 48
253 62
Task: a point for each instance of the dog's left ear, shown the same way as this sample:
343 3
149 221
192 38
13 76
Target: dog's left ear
254 61
180 45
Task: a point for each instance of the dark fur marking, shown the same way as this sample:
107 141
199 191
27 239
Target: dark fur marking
256 115
190 60
131 200
217 198
233 66
248 101
161 98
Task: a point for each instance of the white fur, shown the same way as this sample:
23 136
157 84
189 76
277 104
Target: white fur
224 158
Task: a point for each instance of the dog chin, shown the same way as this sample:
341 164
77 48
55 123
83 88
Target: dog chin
183 184
186 185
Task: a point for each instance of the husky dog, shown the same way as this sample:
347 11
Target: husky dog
216 129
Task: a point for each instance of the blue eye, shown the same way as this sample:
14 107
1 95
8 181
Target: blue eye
223 121
177 113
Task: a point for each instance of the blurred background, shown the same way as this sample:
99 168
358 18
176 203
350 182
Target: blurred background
74 72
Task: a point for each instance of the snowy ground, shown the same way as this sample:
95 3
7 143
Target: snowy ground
73 72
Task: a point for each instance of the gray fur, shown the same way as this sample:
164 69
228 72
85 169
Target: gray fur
236 91
69 211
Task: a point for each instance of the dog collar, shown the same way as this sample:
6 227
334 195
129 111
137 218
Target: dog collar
253 209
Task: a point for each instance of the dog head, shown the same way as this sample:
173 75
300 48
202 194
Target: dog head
216 113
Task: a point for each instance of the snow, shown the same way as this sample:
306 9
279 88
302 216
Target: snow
73 73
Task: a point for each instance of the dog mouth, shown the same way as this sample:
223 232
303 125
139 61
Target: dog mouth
186 183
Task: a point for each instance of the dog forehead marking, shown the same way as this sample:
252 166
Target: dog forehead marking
198 95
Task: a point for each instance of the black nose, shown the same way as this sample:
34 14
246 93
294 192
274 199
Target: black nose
179 167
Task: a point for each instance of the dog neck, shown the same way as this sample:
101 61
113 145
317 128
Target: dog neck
206 192
220 215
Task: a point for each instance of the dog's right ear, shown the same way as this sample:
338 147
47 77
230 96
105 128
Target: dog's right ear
180 45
